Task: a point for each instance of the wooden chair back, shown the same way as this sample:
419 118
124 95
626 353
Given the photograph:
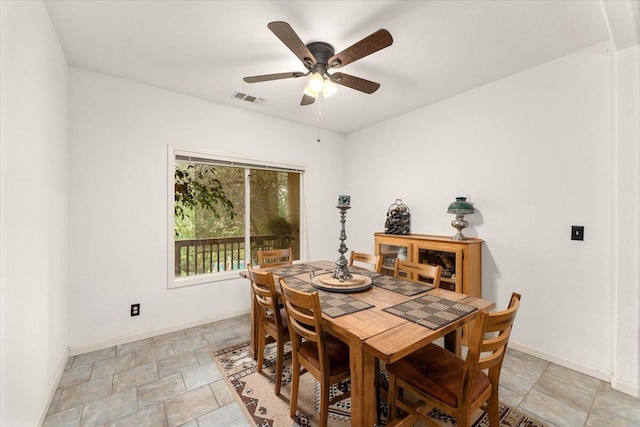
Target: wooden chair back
322 355
305 320
275 257
488 344
375 261
266 296
414 271
269 319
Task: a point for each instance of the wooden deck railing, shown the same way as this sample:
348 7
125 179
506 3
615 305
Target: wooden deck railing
201 256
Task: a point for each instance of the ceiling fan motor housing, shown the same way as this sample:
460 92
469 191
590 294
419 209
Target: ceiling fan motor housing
322 52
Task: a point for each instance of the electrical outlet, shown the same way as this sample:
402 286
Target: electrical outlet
135 310
577 232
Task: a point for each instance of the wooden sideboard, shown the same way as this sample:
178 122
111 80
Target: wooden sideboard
461 260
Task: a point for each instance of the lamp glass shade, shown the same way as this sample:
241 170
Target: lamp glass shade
329 88
316 82
460 206
310 92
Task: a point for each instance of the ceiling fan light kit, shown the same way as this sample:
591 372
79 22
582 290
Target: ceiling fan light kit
329 88
316 82
319 57
310 92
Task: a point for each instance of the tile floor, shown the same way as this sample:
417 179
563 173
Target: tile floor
170 380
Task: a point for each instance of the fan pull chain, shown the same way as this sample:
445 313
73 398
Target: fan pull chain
319 103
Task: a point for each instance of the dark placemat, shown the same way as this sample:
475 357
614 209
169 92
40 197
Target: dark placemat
431 311
363 271
334 304
293 270
401 286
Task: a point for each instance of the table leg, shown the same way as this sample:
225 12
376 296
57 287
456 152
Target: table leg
453 342
364 405
253 342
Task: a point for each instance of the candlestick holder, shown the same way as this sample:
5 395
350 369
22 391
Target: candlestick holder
342 272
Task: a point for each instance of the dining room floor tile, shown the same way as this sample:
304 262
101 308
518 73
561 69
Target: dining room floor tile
190 405
552 409
612 402
568 386
171 380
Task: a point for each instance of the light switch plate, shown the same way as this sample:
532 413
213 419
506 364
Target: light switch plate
577 232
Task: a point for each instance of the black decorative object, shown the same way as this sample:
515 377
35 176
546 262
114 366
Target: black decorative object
398 219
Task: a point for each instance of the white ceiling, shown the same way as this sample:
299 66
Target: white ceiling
440 48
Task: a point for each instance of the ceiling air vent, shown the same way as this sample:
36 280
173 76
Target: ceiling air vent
249 98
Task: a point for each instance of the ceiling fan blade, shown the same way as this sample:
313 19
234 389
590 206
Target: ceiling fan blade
368 45
278 76
285 33
307 100
357 83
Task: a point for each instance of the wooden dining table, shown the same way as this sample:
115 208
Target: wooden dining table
375 333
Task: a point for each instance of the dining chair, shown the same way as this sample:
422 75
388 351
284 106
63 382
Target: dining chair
271 321
275 257
321 354
413 271
458 387
374 261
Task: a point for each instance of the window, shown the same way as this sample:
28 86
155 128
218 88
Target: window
223 209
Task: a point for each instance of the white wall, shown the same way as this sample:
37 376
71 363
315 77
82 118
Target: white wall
627 239
34 212
534 154
119 132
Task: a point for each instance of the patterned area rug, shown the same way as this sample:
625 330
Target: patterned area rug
254 392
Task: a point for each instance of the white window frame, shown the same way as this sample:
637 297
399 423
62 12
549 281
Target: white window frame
230 160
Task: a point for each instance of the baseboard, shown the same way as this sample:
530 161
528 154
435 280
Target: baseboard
623 387
587 370
54 387
73 351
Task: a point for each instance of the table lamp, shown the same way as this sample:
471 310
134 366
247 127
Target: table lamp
460 208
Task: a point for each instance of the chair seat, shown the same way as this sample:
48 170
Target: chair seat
438 373
336 351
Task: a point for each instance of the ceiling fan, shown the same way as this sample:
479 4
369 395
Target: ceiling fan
319 57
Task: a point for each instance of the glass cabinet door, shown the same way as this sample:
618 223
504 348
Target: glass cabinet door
449 261
389 253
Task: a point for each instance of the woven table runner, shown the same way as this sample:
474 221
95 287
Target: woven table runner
431 311
401 286
334 304
294 270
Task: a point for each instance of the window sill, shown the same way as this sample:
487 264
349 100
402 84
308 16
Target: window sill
182 282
